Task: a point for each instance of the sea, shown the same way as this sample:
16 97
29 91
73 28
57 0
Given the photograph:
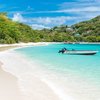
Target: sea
72 77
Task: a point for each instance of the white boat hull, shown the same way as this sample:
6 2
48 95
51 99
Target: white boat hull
80 52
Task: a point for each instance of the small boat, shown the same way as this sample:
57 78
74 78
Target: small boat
77 52
80 52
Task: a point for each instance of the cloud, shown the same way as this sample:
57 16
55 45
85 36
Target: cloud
18 17
58 13
52 20
75 10
71 7
66 13
79 6
43 22
39 27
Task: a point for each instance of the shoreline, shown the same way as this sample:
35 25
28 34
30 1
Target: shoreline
81 42
31 86
45 43
39 90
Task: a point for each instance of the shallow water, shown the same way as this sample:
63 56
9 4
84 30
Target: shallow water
76 75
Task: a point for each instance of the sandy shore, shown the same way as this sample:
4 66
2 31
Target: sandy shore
8 86
18 84
4 47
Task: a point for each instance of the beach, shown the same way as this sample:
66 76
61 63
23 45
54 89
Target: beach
8 86
57 79
24 86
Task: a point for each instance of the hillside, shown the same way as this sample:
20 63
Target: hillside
88 30
15 32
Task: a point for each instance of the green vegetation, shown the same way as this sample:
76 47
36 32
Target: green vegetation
15 32
88 31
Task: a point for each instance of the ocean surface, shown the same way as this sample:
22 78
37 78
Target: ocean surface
72 77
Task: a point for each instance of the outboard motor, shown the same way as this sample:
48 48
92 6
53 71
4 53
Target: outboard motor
62 51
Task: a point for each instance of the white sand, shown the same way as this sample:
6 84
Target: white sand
28 44
8 86
16 83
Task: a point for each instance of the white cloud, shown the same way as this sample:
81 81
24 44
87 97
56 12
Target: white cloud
47 22
18 17
52 20
79 4
85 9
39 27
42 22
74 10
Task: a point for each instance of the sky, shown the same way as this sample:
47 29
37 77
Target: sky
41 14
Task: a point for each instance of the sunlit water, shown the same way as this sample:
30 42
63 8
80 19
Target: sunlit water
75 75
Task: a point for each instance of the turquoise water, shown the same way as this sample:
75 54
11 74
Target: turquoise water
79 64
87 67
